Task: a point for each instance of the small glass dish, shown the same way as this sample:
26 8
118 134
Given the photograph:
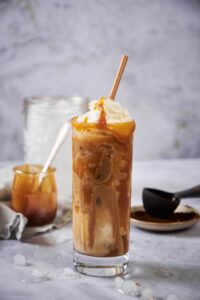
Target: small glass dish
36 201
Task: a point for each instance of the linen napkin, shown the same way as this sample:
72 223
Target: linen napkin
14 225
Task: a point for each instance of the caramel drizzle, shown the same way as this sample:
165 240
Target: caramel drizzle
86 120
102 117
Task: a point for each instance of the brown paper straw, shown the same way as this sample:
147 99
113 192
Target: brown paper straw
118 77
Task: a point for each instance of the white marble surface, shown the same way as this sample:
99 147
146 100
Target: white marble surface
167 263
71 47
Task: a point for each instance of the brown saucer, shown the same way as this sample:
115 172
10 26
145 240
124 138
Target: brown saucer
183 217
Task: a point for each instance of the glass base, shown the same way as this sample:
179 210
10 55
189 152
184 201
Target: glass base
100 266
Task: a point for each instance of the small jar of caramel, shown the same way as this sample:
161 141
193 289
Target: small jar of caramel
34 194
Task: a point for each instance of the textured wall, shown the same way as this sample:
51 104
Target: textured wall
74 47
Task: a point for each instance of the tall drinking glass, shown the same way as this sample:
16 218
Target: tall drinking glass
102 167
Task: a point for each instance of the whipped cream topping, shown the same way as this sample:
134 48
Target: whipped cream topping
114 112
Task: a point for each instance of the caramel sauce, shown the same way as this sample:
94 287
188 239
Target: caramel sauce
175 217
121 131
102 117
38 204
86 119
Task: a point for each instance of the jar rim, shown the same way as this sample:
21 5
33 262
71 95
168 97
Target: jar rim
32 169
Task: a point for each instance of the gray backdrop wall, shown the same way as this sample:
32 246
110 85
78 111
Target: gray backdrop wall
66 47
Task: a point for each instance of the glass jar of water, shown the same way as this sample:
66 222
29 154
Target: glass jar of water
43 118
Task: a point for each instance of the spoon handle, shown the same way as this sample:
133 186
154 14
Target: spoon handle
60 139
189 193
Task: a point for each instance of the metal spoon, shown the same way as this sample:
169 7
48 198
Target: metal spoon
59 140
162 204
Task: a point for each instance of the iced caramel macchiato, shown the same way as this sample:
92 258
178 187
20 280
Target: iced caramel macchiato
102 166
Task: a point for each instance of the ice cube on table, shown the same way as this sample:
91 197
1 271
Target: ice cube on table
127 286
130 287
39 273
172 297
118 282
19 260
147 293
